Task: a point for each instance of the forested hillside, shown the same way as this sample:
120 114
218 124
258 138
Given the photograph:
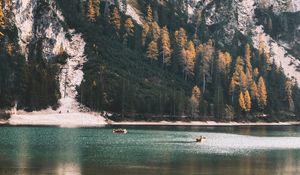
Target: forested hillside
155 58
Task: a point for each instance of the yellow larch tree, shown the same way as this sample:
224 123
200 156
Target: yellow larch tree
91 11
243 81
129 29
195 100
155 31
149 13
181 38
145 32
262 93
239 78
248 57
249 77
255 73
152 51
2 17
224 61
249 71
129 26
221 62
242 102
166 46
115 19
253 90
190 57
247 100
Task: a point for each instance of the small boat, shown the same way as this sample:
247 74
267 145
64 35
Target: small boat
201 139
120 131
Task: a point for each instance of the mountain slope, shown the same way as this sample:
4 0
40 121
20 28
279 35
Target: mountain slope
134 57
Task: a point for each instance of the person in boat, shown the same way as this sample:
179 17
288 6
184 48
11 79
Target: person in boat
201 139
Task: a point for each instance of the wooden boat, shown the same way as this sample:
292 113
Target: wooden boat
120 131
201 139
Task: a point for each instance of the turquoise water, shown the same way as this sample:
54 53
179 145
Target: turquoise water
150 150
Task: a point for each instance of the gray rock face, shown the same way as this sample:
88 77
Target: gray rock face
41 21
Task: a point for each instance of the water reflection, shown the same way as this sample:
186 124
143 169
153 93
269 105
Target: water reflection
149 151
22 153
68 169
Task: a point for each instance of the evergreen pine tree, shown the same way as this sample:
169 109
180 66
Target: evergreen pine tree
9 48
97 8
206 54
181 40
124 6
248 60
289 94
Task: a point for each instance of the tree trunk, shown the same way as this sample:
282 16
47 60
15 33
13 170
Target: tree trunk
204 83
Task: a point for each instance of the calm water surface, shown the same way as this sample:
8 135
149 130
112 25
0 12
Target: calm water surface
150 150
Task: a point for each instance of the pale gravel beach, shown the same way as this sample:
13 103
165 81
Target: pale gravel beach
66 120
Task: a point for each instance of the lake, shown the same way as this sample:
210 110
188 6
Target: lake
153 150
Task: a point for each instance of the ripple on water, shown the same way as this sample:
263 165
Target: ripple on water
238 144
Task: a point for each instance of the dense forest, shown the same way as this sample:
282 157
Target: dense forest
170 64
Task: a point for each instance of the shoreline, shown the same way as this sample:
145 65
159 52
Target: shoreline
85 120
76 119
207 123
